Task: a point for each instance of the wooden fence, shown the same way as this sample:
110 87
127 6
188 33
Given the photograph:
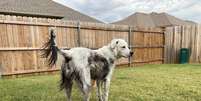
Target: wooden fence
21 39
183 37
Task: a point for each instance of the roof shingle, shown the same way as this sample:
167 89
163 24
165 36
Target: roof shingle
42 8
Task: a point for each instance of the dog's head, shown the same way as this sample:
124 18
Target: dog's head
120 48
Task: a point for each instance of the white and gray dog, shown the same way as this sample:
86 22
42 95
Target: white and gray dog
83 65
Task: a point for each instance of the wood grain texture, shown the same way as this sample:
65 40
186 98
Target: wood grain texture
182 37
21 40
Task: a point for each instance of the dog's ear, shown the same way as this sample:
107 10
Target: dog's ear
114 43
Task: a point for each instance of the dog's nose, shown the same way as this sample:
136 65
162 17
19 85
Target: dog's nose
131 53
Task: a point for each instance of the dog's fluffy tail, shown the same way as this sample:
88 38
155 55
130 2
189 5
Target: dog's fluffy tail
50 50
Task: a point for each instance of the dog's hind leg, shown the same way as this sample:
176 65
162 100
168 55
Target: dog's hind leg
68 91
66 79
86 92
85 89
84 83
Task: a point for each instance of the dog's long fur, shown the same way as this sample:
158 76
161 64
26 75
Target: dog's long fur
83 65
50 49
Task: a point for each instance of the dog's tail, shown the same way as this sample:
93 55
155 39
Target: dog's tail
50 50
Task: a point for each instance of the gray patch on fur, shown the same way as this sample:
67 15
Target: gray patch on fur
99 66
66 74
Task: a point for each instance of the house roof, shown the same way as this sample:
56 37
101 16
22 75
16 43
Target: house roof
152 20
137 19
42 8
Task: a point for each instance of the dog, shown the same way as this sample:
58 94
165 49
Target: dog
84 65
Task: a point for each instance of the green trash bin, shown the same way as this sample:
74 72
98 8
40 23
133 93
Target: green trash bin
184 55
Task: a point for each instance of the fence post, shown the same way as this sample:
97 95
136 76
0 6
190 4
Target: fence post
164 44
129 44
78 34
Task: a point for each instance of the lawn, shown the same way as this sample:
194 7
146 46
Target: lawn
145 83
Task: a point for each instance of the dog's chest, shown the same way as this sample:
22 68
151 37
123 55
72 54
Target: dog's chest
99 66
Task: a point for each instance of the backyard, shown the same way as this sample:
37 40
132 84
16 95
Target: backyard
143 83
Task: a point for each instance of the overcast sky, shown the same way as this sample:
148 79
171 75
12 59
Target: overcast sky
113 10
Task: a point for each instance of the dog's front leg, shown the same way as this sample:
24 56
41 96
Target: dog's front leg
106 85
99 90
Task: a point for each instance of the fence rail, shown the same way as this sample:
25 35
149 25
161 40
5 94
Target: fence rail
21 39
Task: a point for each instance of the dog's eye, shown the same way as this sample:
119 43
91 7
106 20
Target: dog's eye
124 47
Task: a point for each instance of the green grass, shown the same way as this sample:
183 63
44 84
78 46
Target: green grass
146 83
